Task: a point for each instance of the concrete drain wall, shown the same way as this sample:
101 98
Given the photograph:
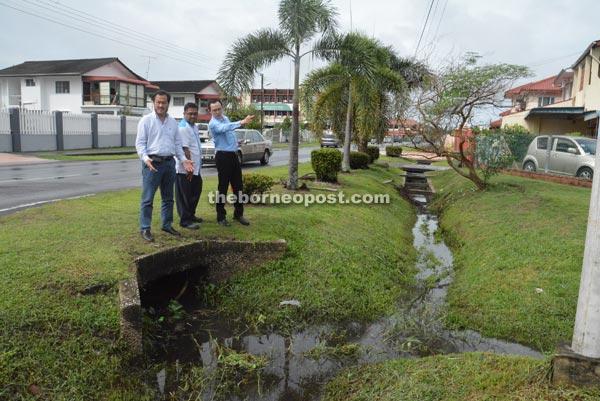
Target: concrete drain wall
220 258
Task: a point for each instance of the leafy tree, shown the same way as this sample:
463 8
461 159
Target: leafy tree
448 102
355 92
299 22
241 112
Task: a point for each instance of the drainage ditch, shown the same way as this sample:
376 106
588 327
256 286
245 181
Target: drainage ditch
203 350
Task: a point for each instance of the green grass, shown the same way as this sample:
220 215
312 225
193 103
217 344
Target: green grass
518 236
345 262
86 154
286 145
465 377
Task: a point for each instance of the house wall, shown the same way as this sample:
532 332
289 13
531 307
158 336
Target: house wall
589 95
177 111
541 126
114 69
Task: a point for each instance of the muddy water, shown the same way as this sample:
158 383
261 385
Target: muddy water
295 371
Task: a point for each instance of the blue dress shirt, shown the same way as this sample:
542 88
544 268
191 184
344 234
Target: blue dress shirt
223 132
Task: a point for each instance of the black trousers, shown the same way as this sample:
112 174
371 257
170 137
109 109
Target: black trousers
187 195
229 172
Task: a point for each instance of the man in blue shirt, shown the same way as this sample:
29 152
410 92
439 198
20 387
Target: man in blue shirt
188 186
156 143
229 169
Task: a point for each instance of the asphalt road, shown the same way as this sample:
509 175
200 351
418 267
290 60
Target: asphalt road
29 185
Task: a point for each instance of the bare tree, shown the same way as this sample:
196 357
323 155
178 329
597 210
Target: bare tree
450 99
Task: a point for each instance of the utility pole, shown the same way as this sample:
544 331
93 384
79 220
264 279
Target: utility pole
586 334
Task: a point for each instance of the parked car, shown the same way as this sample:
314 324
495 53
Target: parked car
329 141
203 132
252 146
569 155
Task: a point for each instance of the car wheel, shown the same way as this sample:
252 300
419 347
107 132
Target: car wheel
529 166
585 173
265 158
240 158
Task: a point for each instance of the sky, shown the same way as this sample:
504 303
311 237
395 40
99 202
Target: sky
188 40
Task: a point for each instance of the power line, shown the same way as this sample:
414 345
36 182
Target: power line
92 19
92 33
424 26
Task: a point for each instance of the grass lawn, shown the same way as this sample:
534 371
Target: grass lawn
518 251
345 262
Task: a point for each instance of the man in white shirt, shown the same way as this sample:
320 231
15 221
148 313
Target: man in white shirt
157 143
188 185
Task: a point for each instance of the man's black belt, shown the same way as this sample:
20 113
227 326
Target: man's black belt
158 159
226 151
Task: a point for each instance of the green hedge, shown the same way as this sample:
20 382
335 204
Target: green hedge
393 151
373 152
255 183
326 163
359 160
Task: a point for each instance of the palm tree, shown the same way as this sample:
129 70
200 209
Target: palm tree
361 83
299 22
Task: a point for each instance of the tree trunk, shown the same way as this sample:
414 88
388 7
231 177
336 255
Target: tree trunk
472 175
346 159
363 145
293 166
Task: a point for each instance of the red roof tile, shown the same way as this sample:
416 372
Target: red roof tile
545 85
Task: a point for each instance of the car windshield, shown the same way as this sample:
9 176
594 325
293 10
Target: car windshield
203 127
240 135
588 145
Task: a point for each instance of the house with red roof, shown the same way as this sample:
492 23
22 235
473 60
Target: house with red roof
99 85
567 102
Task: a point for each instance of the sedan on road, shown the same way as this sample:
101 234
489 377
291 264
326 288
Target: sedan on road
252 146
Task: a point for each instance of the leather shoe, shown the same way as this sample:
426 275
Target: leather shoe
147 236
197 219
191 226
224 223
242 220
171 231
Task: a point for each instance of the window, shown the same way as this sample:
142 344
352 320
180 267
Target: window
178 101
545 101
63 87
30 82
563 145
204 103
542 143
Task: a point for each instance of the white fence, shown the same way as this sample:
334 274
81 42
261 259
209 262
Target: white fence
4 122
131 125
109 125
37 122
77 124
33 130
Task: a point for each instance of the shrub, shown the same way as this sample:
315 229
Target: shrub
255 183
359 160
326 163
373 152
393 151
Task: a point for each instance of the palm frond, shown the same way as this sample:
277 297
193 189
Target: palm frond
300 20
247 56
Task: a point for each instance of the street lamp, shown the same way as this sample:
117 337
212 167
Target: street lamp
262 99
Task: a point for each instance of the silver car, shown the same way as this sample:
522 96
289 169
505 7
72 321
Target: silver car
329 140
568 155
252 146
